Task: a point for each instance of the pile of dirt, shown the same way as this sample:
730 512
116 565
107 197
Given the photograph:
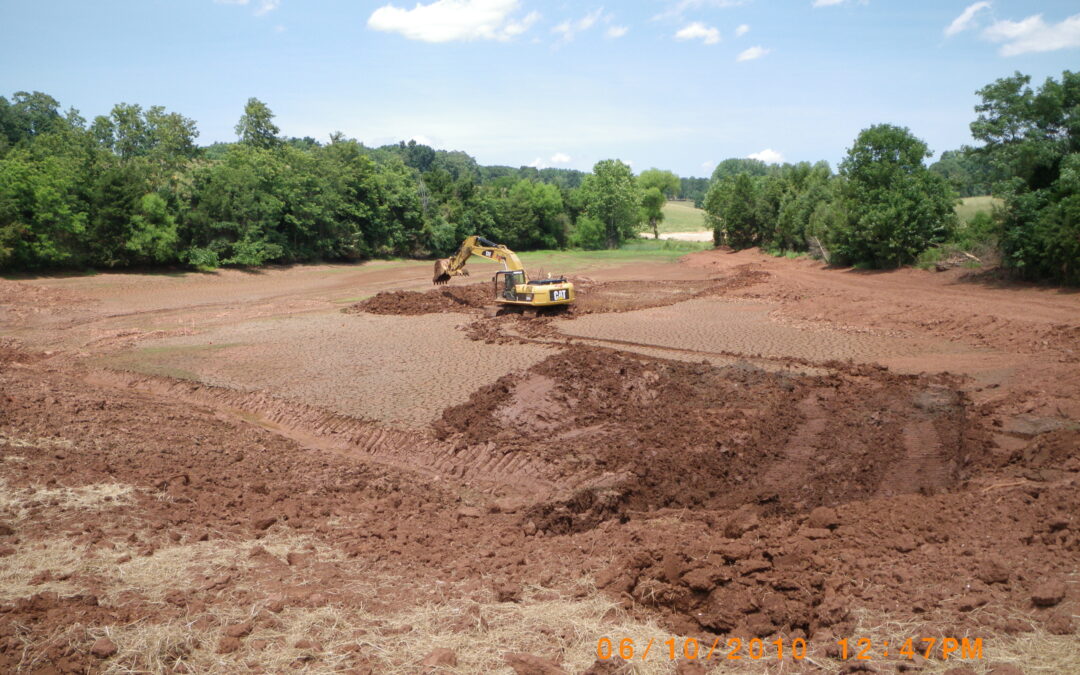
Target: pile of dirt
438 300
734 501
638 434
20 300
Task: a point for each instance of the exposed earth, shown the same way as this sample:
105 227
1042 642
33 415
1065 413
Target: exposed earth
339 469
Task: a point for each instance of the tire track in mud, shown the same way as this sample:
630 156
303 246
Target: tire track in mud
318 429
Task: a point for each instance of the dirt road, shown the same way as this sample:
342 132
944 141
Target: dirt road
222 472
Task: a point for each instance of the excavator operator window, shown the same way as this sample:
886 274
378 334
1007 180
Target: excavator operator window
510 280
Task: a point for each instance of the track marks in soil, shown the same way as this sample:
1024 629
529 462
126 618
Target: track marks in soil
637 434
351 437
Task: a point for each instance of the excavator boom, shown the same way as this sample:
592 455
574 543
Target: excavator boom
474 245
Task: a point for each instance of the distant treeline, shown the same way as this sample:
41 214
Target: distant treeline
885 207
133 188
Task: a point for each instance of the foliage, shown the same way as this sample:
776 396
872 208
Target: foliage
895 207
733 209
1033 137
775 209
610 196
729 168
652 209
665 181
256 127
968 171
133 188
694 189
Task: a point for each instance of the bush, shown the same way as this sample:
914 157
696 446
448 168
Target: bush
895 207
589 234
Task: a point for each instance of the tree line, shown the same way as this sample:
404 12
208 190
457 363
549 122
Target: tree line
133 188
885 207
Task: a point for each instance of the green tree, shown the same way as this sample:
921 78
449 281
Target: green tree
694 189
733 210
114 201
735 165
652 206
256 126
44 214
610 197
665 181
968 171
153 234
896 208
1033 136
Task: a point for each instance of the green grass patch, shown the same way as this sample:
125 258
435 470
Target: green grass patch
681 216
783 253
970 206
640 250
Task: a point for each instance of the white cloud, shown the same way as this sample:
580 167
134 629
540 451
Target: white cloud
451 20
1034 35
827 3
677 8
752 53
963 22
616 32
267 6
708 166
261 6
568 29
697 30
557 158
742 30
768 155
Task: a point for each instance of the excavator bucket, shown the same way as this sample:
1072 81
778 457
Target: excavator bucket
442 273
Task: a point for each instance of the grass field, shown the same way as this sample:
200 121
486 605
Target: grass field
969 206
641 250
682 217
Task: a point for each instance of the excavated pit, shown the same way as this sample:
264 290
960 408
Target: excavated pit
591 297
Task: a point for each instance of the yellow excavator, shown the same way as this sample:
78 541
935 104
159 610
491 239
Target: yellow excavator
513 287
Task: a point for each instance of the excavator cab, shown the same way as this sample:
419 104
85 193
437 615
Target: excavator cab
506 284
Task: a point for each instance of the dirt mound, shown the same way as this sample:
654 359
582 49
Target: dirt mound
407 303
21 300
12 351
630 433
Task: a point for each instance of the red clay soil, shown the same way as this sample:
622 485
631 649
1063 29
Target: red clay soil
592 297
725 501
437 300
696 528
656 434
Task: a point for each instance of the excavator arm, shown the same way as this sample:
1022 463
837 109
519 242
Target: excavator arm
474 245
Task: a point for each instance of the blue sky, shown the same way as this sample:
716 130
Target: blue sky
676 84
